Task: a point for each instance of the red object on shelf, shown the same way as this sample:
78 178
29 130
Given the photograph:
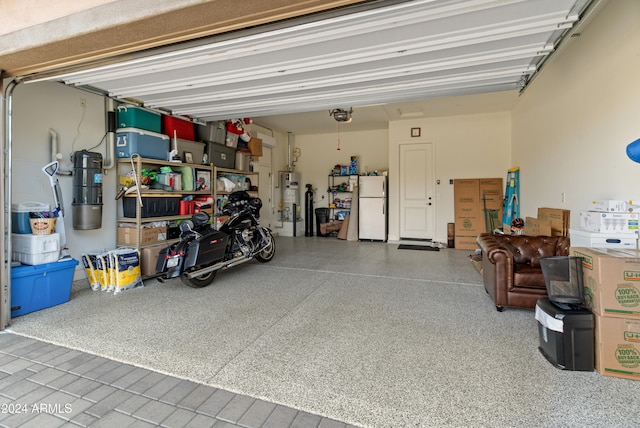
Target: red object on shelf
186 207
183 128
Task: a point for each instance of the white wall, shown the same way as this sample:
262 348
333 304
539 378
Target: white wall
39 107
572 125
470 146
319 154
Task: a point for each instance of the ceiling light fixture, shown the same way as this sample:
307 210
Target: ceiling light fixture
341 115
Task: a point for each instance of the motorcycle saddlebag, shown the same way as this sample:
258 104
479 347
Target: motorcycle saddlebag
206 250
161 263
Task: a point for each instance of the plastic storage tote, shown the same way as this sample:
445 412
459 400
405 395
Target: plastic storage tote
151 206
221 156
137 117
20 215
39 287
176 127
196 148
35 249
145 143
214 132
563 278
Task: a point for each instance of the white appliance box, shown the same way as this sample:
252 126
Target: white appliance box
594 221
583 238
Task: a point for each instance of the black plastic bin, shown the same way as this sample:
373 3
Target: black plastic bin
151 206
322 216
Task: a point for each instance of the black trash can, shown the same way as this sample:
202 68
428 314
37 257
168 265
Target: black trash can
563 278
322 216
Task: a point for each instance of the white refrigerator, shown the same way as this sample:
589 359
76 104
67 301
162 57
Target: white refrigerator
372 207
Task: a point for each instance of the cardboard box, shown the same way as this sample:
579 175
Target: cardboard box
610 205
617 347
557 218
148 235
594 221
466 242
149 258
466 191
611 280
472 196
255 146
469 221
491 193
534 227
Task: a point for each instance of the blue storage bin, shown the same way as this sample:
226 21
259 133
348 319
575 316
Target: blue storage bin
42 286
145 143
20 215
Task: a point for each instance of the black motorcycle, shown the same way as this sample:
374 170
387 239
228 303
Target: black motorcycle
202 250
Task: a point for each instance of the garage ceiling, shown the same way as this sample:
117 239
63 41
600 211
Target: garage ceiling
369 54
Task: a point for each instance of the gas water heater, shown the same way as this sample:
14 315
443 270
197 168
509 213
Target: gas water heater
290 197
87 190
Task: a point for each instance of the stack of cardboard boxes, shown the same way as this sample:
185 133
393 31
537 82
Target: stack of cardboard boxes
612 293
549 222
477 202
607 224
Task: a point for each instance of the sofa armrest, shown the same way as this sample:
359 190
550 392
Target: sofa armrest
493 249
497 268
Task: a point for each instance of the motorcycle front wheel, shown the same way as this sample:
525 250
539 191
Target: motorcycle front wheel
199 282
270 250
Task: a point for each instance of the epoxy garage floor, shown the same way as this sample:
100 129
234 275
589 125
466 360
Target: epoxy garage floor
359 333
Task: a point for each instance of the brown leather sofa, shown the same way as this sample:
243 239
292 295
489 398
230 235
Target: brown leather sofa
511 267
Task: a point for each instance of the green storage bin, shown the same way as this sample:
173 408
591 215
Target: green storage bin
136 117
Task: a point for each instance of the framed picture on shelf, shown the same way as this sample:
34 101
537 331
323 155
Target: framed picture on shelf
203 180
188 157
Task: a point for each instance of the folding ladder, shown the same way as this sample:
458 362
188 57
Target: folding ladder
511 197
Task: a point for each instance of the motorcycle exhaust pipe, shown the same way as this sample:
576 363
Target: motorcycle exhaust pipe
222 265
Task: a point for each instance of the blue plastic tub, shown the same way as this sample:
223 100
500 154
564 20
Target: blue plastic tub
145 143
42 286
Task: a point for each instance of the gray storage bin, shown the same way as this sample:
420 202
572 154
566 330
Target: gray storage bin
196 148
214 132
221 156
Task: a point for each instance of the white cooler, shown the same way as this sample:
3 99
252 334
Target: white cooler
583 238
35 249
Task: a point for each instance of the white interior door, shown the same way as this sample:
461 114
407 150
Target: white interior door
416 191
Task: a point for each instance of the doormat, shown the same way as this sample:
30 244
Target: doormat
417 247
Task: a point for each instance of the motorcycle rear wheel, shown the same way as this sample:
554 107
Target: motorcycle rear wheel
199 282
267 254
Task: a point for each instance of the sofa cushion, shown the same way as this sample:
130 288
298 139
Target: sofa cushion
528 276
